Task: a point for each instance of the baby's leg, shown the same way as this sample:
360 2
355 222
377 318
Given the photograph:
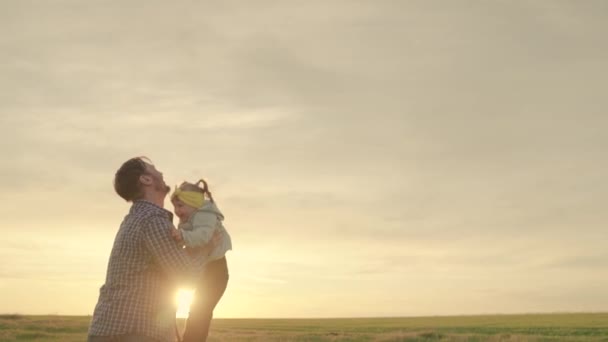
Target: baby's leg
208 293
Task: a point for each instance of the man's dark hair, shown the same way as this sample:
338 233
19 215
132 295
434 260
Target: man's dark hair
126 180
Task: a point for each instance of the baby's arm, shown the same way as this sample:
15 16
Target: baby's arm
203 226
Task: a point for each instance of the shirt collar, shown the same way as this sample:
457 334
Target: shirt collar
147 205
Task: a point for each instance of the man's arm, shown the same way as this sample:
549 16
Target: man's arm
170 256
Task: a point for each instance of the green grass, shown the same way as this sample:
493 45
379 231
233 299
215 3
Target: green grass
508 328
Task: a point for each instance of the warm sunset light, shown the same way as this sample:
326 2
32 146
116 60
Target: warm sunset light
183 299
370 158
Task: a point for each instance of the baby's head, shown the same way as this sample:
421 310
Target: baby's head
188 197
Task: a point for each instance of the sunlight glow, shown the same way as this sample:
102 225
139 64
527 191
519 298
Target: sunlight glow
183 299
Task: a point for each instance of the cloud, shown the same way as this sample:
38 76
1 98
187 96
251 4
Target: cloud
344 141
581 262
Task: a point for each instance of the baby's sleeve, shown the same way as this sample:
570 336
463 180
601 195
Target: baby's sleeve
203 226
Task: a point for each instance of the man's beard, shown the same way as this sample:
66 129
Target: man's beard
160 186
163 188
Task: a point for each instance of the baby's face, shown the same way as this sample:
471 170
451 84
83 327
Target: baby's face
182 210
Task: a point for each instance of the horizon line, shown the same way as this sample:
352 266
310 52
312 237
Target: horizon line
2 315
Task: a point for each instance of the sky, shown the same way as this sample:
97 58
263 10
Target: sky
372 158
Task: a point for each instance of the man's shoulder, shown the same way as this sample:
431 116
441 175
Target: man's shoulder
145 215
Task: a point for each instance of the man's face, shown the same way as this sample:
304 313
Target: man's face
157 181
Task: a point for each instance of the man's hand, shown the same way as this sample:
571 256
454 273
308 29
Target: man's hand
176 234
216 239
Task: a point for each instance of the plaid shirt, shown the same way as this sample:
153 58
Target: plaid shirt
144 269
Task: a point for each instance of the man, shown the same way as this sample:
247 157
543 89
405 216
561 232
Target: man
136 303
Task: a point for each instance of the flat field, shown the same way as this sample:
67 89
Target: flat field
532 327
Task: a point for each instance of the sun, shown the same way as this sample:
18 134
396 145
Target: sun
183 299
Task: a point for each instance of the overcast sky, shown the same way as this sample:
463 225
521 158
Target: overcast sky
372 158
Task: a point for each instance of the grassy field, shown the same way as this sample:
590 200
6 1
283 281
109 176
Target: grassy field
538 327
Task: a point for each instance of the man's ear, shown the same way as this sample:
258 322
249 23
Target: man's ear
145 179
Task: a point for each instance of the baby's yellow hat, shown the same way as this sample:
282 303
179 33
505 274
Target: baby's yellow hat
194 199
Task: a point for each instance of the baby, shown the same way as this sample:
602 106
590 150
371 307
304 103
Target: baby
199 219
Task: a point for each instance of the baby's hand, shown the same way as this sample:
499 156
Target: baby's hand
176 234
